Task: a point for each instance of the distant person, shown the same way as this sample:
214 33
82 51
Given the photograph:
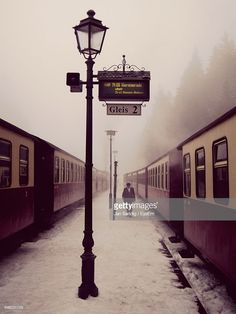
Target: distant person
128 196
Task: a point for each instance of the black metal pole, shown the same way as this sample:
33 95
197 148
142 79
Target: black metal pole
114 191
110 194
88 286
115 180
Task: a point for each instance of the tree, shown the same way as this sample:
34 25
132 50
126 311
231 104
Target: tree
190 107
156 131
221 78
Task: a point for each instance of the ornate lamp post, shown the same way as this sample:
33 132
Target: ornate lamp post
90 34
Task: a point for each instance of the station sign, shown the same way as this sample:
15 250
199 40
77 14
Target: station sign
124 109
124 86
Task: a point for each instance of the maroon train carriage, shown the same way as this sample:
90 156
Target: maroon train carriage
36 180
162 181
164 184
16 179
209 172
209 186
59 180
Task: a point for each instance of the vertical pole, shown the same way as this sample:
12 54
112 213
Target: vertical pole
110 194
123 64
88 286
115 180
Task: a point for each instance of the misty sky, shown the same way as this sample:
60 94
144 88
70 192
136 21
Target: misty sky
38 48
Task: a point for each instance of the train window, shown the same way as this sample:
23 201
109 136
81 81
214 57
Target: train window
155 177
75 173
220 151
82 174
56 170
162 176
67 171
200 173
187 175
140 178
220 170
5 163
158 177
24 165
79 173
72 172
63 171
166 175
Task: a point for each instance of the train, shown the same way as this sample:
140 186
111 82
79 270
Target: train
195 186
37 179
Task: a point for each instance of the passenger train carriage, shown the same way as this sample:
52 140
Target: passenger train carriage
36 180
162 181
209 189
16 179
203 175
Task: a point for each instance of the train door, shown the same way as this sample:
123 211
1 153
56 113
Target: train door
44 161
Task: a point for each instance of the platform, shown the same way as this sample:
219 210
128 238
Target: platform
133 271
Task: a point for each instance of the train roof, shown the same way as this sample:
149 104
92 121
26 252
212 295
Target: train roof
19 131
219 120
154 161
214 123
15 129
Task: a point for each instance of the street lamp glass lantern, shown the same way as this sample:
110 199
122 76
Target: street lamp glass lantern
90 34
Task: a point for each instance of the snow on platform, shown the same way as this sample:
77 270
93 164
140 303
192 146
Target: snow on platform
209 288
131 271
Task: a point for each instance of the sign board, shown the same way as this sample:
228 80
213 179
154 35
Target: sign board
124 86
124 109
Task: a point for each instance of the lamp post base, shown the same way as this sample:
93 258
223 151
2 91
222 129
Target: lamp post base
88 286
87 289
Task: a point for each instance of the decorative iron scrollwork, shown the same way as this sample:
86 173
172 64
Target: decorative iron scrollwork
124 66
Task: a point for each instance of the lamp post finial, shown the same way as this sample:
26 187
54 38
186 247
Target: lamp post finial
91 13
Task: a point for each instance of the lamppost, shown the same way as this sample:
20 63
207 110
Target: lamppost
90 34
115 175
110 133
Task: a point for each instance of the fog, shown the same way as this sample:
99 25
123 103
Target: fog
38 48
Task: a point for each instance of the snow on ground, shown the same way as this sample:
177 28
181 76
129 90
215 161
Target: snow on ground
210 290
131 272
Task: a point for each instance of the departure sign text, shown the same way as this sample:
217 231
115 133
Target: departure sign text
126 90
